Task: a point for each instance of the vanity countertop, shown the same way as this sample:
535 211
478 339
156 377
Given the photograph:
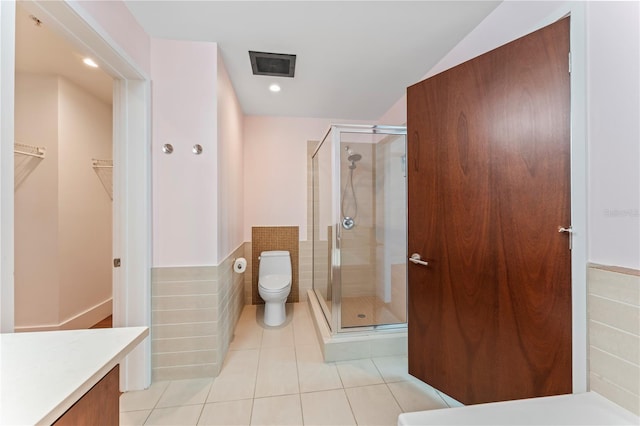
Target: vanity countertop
42 374
582 409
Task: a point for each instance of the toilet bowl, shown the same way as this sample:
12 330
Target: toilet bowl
274 285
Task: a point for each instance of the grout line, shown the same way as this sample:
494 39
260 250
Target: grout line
156 404
393 395
147 418
201 410
628 333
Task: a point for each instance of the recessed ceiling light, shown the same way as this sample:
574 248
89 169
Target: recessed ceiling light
274 88
90 63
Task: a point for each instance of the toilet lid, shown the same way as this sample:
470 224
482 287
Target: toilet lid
274 282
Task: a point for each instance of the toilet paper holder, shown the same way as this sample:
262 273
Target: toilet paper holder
239 265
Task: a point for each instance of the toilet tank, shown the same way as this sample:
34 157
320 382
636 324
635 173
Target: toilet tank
274 263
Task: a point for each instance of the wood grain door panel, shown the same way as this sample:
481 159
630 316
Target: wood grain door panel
488 178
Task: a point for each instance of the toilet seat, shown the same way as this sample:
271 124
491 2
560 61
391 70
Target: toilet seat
274 283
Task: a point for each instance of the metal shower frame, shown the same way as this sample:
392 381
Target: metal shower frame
336 130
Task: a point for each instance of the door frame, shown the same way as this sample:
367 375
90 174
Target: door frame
131 173
578 82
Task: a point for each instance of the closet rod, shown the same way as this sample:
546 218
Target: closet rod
97 164
36 151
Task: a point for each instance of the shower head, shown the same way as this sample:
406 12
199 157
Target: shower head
353 157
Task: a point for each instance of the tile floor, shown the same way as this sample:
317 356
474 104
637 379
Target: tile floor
278 377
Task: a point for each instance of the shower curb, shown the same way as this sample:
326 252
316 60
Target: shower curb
354 345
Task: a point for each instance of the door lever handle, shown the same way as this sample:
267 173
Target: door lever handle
569 231
415 258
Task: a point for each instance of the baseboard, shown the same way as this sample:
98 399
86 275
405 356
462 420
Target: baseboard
82 320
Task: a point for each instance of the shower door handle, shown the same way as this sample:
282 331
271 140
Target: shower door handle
415 258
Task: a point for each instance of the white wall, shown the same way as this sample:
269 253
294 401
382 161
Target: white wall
62 212
85 208
230 166
613 87
275 163
114 20
185 185
36 203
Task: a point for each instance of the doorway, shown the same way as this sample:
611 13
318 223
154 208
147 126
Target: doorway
63 183
131 179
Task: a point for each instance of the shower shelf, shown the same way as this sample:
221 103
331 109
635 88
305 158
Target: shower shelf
29 150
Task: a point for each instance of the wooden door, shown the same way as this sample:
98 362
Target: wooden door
489 186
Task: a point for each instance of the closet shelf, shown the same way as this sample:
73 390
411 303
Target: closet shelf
101 164
104 171
29 150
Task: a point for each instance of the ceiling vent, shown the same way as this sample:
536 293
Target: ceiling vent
273 64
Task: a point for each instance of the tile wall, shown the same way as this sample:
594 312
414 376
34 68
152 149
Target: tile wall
614 334
194 311
358 245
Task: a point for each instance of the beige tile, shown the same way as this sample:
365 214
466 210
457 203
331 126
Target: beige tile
184 358
619 343
185 415
393 368
360 372
373 405
163 303
133 418
313 373
615 314
303 330
247 334
614 285
308 337
143 400
347 351
181 372
415 397
184 330
277 337
249 313
184 273
177 288
227 413
183 344
615 370
614 393
326 408
391 346
277 411
300 309
185 392
277 372
237 378
181 316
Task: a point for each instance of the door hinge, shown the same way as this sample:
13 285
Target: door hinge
116 262
569 62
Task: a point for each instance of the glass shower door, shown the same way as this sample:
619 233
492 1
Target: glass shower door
372 229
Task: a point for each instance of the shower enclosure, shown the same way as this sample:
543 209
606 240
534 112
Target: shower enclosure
360 227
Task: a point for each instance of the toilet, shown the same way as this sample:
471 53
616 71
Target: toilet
274 285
